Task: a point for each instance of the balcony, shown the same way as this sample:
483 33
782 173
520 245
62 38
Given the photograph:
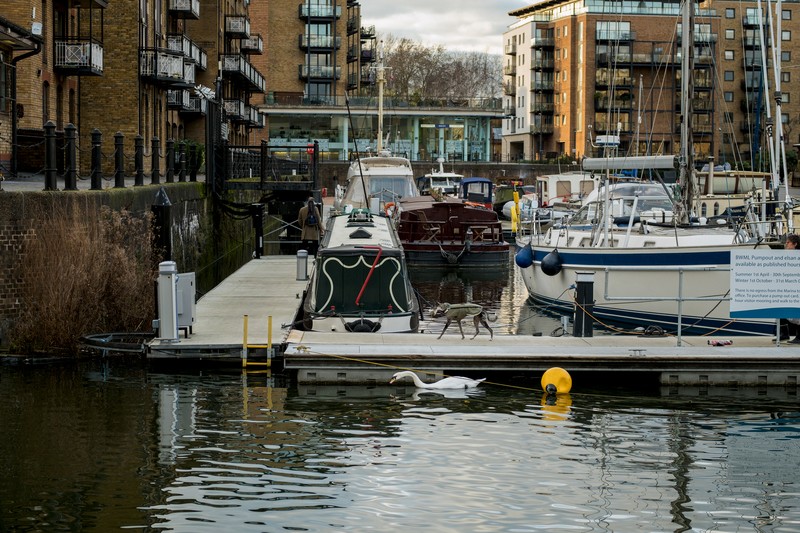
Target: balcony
353 24
352 80
254 119
238 67
164 67
368 32
252 45
367 55
237 26
236 110
320 72
605 59
79 57
541 129
616 81
178 99
612 127
510 111
319 11
543 42
186 9
541 63
545 108
614 35
605 103
178 42
543 85
509 70
510 49
319 42
509 88
751 19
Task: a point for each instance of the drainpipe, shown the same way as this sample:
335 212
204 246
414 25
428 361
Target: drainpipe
14 61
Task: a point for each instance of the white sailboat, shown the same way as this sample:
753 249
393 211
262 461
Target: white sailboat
671 273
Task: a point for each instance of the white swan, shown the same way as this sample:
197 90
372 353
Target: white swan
452 382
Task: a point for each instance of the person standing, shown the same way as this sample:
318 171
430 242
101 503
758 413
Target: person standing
790 327
310 221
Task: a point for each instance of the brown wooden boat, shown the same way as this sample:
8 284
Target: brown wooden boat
450 233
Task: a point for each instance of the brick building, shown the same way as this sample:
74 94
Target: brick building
580 74
133 67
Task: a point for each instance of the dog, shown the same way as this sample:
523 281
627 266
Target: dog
459 312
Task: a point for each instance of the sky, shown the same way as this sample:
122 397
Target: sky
459 25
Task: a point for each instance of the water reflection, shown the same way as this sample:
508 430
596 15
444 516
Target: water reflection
104 446
501 291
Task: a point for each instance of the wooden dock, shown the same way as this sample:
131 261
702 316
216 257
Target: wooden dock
267 287
262 288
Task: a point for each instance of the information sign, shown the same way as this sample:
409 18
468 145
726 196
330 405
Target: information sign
765 284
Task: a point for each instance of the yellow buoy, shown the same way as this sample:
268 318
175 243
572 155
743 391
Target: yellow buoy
556 381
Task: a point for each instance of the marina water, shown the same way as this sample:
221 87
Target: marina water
109 445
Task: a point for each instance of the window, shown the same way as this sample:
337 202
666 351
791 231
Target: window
786 56
729 55
728 75
6 73
730 13
786 35
564 75
786 14
786 77
730 34
566 29
784 118
728 96
785 98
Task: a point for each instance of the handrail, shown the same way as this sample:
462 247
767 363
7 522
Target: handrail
679 298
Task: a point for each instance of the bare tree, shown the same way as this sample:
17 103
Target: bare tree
419 72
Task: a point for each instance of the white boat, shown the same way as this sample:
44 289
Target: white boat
672 274
445 182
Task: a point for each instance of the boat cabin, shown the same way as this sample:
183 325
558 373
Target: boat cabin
477 192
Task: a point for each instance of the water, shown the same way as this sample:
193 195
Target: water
499 290
107 445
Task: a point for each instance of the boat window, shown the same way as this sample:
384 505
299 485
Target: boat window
564 188
390 188
586 187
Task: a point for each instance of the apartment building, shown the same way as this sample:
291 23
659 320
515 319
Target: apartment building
133 67
580 76
320 59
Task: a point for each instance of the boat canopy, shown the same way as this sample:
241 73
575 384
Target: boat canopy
642 162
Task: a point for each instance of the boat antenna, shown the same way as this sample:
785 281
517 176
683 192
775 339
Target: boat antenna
381 79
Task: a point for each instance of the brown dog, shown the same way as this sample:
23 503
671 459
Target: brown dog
459 312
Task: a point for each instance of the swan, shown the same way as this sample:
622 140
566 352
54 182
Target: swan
452 382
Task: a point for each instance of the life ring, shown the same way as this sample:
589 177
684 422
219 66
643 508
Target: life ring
389 209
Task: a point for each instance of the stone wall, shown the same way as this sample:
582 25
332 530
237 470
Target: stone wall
204 240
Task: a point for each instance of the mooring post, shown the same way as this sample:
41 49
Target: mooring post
155 173
182 161
170 160
584 304
97 160
162 224
138 160
119 160
257 212
50 172
71 173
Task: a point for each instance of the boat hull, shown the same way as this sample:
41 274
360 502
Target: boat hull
640 288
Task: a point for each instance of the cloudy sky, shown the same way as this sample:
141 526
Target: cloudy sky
474 25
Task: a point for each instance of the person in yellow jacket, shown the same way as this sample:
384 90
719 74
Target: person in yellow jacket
310 220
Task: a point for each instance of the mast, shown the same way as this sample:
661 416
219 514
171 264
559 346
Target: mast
687 180
381 80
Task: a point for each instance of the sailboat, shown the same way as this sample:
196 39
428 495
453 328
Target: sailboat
360 281
671 274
